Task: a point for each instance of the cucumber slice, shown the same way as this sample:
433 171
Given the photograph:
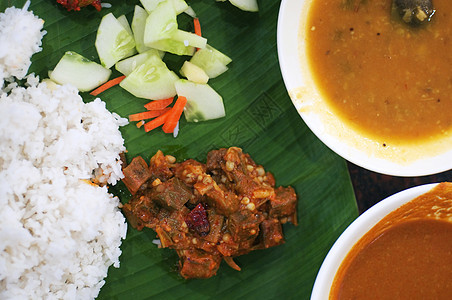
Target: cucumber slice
194 73
125 24
83 73
151 80
138 24
161 23
190 39
149 5
127 65
160 29
212 61
173 46
113 42
179 5
203 102
247 5
190 11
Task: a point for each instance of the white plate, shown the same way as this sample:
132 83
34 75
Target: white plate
406 160
354 232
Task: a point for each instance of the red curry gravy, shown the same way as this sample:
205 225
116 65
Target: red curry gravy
387 80
407 255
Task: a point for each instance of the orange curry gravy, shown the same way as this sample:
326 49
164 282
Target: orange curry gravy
387 80
407 255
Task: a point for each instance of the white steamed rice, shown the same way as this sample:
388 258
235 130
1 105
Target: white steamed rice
58 232
21 34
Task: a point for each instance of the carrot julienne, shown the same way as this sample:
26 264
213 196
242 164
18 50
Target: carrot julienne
166 116
197 26
140 123
174 115
154 123
158 104
147 114
107 85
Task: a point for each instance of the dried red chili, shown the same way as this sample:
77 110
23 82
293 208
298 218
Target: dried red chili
197 221
76 4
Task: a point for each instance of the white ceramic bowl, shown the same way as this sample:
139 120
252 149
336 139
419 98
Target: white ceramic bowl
412 160
354 232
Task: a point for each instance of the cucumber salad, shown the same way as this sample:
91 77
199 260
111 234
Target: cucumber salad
136 50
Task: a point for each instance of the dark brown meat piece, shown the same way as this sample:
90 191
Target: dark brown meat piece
198 264
225 202
141 212
172 229
284 204
272 234
215 159
216 222
160 167
172 194
244 225
136 174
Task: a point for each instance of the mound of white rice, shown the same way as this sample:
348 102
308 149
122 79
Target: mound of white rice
21 35
59 233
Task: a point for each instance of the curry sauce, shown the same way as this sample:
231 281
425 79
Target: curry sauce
407 255
384 78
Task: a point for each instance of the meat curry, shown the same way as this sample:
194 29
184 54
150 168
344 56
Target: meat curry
208 212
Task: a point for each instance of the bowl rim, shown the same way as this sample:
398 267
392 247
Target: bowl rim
288 35
355 231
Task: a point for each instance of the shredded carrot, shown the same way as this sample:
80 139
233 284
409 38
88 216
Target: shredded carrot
158 104
147 114
107 85
197 26
160 120
140 123
175 113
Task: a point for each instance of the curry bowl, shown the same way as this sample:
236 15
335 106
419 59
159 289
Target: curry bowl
388 209
405 158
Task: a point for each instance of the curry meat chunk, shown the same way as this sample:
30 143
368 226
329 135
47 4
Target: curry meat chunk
198 264
172 194
284 205
160 166
136 174
272 234
140 212
208 212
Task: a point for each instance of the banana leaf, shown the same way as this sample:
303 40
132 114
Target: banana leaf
260 119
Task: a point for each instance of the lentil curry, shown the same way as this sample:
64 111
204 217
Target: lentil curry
208 212
386 79
407 255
